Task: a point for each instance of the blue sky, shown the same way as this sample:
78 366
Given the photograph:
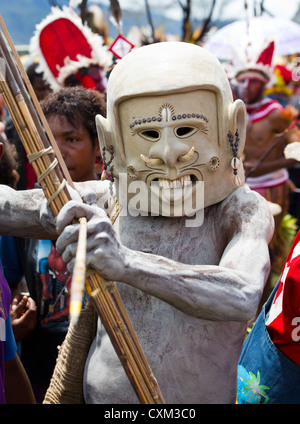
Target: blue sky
21 17
233 10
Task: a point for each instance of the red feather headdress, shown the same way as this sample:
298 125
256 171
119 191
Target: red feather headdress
261 67
62 45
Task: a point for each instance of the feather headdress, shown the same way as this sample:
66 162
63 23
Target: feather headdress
62 45
259 67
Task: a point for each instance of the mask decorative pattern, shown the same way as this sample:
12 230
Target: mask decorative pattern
167 152
214 163
108 168
235 160
167 113
182 131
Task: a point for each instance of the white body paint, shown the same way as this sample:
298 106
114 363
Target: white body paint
190 313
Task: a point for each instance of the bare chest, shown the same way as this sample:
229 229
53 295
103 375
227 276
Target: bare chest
260 137
171 238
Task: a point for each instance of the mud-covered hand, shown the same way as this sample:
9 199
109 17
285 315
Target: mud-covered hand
104 252
80 194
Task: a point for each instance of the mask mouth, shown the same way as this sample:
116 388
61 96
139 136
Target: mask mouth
179 196
186 180
181 182
188 177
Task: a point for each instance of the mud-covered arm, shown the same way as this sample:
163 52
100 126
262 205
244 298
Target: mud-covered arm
20 213
26 214
230 290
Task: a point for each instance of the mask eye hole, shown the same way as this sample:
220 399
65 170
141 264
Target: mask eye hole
150 135
183 132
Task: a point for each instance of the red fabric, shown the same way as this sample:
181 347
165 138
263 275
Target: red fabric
61 39
86 81
283 323
31 178
261 112
266 55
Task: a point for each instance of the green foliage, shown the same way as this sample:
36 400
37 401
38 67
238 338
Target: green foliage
289 228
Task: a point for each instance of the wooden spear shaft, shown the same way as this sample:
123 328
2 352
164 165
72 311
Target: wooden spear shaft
109 305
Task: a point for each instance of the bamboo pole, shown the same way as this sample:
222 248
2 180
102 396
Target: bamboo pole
21 76
78 277
48 164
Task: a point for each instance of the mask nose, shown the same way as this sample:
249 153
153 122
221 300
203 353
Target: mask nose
169 149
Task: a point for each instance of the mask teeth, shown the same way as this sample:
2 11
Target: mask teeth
179 183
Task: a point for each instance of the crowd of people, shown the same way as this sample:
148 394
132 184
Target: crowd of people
192 287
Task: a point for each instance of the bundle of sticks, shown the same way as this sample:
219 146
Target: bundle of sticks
53 176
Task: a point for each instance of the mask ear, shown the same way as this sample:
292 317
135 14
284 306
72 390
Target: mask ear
238 122
237 138
104 132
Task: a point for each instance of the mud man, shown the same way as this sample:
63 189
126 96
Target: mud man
189 282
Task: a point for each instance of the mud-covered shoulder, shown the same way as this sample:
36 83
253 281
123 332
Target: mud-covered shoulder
247 211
